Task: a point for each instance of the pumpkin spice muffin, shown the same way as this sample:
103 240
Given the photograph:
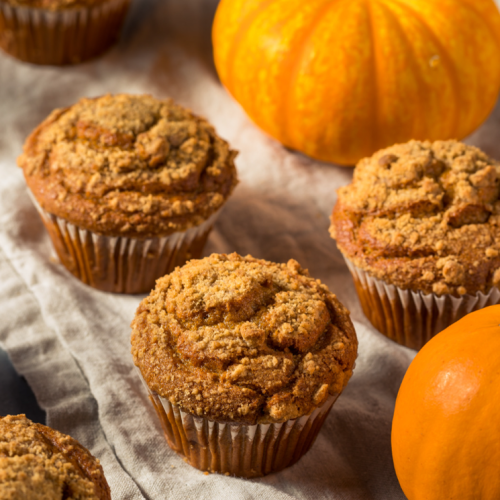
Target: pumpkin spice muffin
55 4
128 187
420 230
243 359
60 31
37 462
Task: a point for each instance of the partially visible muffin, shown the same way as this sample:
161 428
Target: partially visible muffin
133 170
60 32
248 342
423 217
54 4
37 462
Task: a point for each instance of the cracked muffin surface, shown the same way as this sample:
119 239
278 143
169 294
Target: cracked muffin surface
238 339
128 165
39 463
424 216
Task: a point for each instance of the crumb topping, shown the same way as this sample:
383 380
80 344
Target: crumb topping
239 339
55 4
128 165
424 216
38 463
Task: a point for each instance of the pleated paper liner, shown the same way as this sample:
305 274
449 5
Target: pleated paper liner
238 449
119 264
60 37
413 318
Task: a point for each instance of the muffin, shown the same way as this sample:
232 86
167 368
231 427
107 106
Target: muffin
419 227
242 359
38 462
128 187
60 31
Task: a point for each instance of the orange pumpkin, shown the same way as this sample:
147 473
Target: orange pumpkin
340 79
446 427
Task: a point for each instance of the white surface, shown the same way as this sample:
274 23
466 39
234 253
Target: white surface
72 343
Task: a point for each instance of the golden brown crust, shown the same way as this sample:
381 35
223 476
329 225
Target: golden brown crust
424 216
39 463
128 165
239 339
55 4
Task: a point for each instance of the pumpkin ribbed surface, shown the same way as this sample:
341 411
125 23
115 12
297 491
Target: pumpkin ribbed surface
446 432
340 79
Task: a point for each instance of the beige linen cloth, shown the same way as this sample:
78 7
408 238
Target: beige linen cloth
72 343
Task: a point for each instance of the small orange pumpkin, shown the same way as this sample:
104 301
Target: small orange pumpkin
341 79
446 427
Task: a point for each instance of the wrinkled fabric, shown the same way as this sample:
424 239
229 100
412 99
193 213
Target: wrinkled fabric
72 343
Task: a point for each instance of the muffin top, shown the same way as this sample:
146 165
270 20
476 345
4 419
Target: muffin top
423 216
239 339
55 4
38 463
128 165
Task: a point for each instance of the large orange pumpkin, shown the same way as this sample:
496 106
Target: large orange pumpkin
446 427
340 79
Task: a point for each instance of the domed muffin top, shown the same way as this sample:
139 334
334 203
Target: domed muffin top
424 216
128 165
239 339
39 462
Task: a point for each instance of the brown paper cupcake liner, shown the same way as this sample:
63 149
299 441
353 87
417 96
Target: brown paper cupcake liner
61 37
119 264
413 318
238 449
